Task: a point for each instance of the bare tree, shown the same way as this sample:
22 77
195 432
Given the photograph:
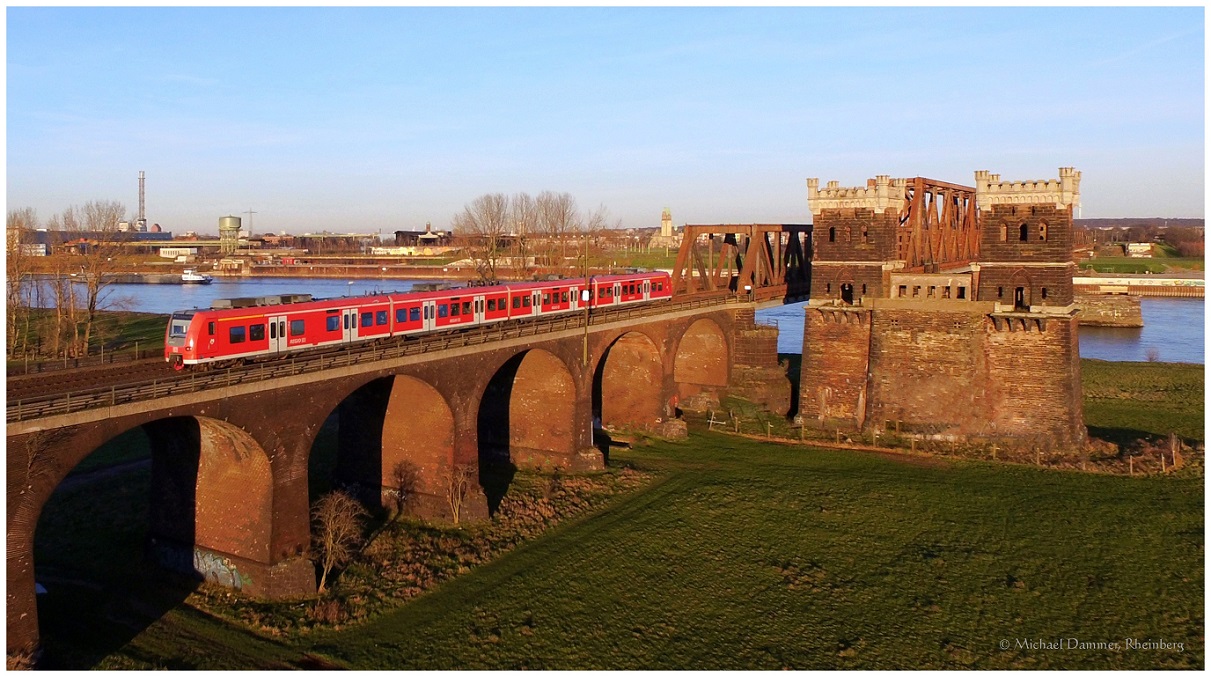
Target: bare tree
560 220
337 531
458 484
19 279
482 225
101 257
524 222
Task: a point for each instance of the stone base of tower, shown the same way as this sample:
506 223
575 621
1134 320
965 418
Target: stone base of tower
961 370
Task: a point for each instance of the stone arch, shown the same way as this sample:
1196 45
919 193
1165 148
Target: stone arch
212 503
700 365
392 421
628 383
526 418
418 435
527 411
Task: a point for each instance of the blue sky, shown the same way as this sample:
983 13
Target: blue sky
385 118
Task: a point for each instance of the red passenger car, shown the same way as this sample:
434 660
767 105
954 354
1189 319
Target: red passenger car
242 329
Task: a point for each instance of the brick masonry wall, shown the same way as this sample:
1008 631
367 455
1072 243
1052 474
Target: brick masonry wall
847 243
836 357
942 371
1109 310
1056 280
828 278
1034 382
928 367
1000 242
1057 247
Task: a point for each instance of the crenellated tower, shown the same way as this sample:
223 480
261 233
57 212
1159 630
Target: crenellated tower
945 309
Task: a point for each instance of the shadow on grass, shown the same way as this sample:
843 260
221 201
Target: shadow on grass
82 621
1123 437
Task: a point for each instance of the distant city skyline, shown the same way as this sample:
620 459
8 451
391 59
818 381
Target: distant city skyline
370 119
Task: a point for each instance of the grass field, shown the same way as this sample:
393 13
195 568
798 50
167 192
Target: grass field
1140 266
1128 401
747 555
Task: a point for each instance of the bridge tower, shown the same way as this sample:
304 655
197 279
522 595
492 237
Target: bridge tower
944 309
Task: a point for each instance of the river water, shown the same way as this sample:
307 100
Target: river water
1173 328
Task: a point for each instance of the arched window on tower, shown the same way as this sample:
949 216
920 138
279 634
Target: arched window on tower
1004 232
1042 232
1022 233
832 234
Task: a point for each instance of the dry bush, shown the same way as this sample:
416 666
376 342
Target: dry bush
458 484
337 531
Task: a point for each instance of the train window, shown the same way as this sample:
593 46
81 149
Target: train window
235 334
297 327
414 314
454 309
256 332
367 319
466 307
346 322
443 310
546 299
491 304
516 301
525 301
210 328
273 330
334 323
563 297
401 315
380 318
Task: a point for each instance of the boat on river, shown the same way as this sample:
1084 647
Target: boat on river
191 276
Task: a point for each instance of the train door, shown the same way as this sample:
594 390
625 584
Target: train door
478 306
429 312
647 290
536 303
349 324
277 333
618 292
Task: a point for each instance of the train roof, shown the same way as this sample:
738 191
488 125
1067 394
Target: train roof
239 306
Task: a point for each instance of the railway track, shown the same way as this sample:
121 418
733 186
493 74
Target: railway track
30 386
138 385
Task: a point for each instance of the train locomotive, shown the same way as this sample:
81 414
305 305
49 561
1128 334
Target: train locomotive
239 330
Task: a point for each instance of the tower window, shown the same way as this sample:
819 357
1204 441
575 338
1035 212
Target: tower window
1022 233
832 234
1004 232
1042 232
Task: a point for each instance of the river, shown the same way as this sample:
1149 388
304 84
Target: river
1173 328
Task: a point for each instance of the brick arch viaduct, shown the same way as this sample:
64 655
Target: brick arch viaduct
229 471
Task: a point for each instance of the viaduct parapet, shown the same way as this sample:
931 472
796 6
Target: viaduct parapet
944 309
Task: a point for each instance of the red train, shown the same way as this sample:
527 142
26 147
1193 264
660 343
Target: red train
241 329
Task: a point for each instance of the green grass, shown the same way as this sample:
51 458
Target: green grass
745 555
1128 401
1136 266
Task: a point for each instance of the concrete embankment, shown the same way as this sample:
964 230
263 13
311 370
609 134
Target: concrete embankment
1108 310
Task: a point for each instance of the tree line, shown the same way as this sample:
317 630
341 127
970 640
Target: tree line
53 302
526 236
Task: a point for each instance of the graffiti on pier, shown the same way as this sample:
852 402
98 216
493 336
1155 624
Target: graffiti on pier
210 566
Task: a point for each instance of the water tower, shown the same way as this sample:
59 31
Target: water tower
229 234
